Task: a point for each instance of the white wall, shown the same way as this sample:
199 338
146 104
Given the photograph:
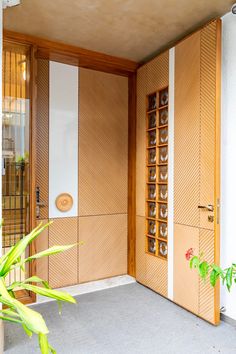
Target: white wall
228 157
63 136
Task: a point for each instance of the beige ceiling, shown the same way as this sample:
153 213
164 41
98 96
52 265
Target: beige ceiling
132 29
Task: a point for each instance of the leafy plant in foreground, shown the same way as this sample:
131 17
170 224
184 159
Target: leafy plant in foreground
15 311
227 275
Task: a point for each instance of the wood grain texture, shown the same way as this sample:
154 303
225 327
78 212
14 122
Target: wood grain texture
187 131
157 275
42 243
158 72
207 120
186 281
42 134
103 143
73 55
104 253
206 291
63 268
141 141
132 175
141 257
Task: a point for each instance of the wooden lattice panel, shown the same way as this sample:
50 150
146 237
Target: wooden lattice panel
140 250
206 291
63 268
141 141
157 274
103 143
207 114
186 280
42 243
104 253
42 134
158 73
187 131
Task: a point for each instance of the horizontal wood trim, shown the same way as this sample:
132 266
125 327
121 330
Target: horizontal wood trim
68 54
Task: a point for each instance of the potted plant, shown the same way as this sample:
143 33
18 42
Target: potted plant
13 310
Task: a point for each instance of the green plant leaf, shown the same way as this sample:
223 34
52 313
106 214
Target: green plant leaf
10 313
43 343
10 319
53 351
27 331
19 248
54 294
218 269
32 319
49 252
214 275
229 278
194 262
203 269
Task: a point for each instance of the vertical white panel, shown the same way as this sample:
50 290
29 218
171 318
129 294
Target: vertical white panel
171 172
63 136
228 149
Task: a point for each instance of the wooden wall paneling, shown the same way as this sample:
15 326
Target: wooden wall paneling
103 143
158 73
157 274
210 162
217 193
187 131
42 243
141 141
186 281
42 135
32 158
150 271
63 268
73 55
141 256
208 122
132 174
104 253
206 291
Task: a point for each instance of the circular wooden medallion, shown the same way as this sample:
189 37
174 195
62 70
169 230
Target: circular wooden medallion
64 202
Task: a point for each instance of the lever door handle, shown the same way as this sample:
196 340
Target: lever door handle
208 207
40 204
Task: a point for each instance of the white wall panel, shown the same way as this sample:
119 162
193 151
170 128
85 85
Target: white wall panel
63 136
228 149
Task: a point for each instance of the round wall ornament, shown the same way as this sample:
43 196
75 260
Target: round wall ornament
64 202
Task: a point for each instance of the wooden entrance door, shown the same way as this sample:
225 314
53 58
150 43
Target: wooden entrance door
197 167
18 187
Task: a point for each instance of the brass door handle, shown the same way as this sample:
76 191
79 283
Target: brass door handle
208 207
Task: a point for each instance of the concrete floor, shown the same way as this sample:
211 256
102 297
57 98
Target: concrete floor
125 319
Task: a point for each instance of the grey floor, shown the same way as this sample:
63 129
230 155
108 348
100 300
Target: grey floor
126 319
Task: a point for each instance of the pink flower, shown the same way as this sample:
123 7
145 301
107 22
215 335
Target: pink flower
189 254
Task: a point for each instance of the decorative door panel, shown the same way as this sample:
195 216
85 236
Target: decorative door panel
177 170
196 166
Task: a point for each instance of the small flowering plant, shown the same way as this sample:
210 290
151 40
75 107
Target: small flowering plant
205 269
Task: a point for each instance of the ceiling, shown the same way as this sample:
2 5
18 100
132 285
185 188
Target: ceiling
132 29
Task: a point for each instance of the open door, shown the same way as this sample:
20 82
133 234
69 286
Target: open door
182 189
17 170
197 167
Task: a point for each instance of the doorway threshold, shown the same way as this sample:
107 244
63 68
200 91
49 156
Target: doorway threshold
90 287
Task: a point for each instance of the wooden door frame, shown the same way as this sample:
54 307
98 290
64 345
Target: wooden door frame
50 50
217 162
